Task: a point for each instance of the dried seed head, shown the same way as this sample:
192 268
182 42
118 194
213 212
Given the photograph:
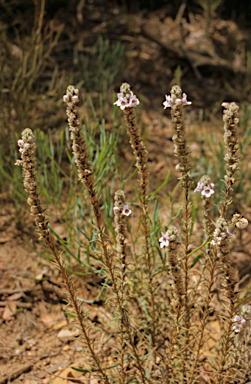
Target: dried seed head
125 89
243 223
27 148
239 221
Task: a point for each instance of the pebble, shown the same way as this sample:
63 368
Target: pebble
66 333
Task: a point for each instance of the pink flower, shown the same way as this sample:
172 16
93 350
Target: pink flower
168 102
207 191
240 321
116 209
164 240
229 234
237 328
133 102
124 102
199 187
126 211
183 100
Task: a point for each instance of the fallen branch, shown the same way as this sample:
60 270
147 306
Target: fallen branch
52 288
13 375
195 59
25 368
18 304
11 291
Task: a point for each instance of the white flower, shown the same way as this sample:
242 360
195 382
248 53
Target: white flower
207 191
75 99
126 211
164 240
122 102
216 240
116 209
66 99
133 102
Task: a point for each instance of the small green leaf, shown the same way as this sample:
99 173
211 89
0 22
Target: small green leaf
195 260
50 258
68 314
193 219
152 195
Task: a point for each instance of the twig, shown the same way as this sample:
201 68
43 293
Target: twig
11 291
18 304
25 368
195 59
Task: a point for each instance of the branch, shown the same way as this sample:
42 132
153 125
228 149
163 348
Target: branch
195 59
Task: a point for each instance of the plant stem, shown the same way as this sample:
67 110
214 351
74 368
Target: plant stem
142 157
202 326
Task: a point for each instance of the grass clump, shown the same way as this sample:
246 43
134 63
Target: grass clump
161 291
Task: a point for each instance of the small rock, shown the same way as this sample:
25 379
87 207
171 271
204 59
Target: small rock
66 333
66 348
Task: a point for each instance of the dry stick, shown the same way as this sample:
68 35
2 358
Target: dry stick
80 151
28 162
25 368
176 103
141 153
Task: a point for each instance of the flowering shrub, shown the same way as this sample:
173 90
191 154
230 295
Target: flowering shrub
162 294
